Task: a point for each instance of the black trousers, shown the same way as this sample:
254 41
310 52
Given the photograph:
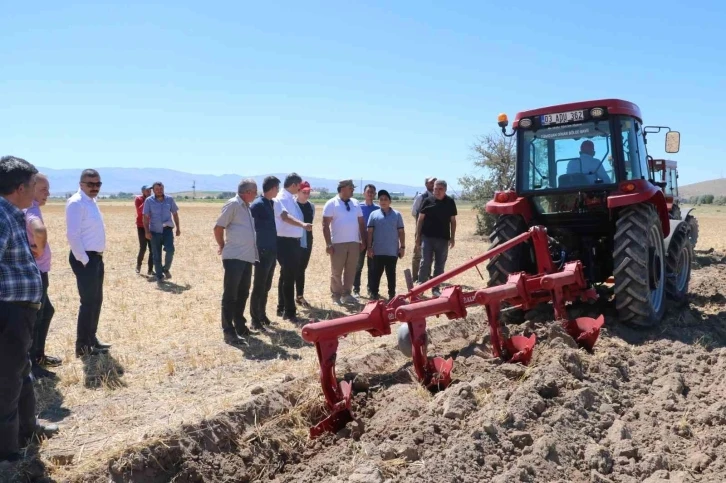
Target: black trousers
237 280
17 398
289 254
143 245
380 264
304 261
42 322
90 288
362 258
264 272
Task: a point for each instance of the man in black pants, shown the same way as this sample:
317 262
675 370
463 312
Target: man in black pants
239 254
87 239
308 212
386 244
290 229
21 291
263 212
143 242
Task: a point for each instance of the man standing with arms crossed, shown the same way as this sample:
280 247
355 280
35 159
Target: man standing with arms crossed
141 232
345 237
38 238
415 209
290 230
239 254
159 228
87 238
263 212
367 208
21 291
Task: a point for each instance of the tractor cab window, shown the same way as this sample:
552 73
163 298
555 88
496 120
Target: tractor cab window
634 154
572 156
671 183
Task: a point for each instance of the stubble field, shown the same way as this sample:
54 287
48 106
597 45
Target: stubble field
173 402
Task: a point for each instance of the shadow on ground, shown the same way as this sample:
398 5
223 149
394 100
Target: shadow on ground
104 371
258 349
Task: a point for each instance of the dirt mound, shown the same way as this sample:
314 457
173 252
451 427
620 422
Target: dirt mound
644 406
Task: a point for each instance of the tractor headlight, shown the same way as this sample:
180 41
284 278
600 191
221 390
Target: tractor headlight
597 112
525 123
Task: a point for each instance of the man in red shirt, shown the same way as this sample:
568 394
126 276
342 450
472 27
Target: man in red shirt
143 242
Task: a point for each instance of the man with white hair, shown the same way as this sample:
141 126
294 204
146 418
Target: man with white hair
415 209
237 241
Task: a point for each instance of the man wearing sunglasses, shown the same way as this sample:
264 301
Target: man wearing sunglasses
87 238
345 237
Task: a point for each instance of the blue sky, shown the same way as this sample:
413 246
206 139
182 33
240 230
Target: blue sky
390 90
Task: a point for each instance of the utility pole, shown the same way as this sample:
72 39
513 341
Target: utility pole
194 190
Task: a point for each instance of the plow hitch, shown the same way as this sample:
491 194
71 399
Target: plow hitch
521 290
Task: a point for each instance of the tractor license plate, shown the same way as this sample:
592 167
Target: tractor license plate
562 117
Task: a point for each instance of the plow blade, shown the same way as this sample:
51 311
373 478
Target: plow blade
339 416
441 372
585 330
520 348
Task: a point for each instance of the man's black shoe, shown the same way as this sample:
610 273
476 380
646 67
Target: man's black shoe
82 351
266 321
150 273
48 361
167 275
293 319
234 339
100 345
39 372
280 312
41 432
258 326
138 268
243 331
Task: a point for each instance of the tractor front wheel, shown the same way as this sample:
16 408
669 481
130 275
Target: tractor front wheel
678 265
639 261
517 258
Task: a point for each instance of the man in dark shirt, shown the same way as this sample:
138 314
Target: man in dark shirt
263 212
21 291
435 232
308 211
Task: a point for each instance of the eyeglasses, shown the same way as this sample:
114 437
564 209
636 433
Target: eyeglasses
347 206
91 184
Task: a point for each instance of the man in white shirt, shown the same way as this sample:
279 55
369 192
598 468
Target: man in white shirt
415 209
345 237
290 229
87 238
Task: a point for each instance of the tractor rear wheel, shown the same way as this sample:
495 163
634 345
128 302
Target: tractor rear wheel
517 258
693 224
678 265
639 261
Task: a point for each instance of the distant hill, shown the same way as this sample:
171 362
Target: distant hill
130 180
716 187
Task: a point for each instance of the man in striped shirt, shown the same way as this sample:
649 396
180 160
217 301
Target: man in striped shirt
21 291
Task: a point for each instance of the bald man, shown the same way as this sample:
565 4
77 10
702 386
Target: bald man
588 164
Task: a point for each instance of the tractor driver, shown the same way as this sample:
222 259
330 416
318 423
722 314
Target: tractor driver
588 164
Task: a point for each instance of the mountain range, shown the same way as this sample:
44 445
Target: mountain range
716 187
130 180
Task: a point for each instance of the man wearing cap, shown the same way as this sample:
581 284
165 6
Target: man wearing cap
588 164
141 232
308 212
345 237
415 209
368 207
159 210
290 230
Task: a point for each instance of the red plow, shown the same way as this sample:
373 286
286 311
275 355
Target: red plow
521 290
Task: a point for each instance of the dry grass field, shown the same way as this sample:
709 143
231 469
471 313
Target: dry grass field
169 365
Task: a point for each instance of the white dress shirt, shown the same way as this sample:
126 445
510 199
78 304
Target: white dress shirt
84 226
285 201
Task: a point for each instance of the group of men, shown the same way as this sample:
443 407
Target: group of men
25 308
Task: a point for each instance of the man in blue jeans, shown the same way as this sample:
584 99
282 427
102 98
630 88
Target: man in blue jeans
158 213
435 232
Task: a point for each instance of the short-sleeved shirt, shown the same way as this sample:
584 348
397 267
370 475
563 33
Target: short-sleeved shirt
239 226
344 227
263 211
139 204
590 166
437 220
32 214
367 210
160 213
285 202
19 275
385 231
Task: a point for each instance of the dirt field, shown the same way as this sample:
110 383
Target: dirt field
172 402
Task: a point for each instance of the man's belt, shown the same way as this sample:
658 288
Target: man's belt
27 305
100 254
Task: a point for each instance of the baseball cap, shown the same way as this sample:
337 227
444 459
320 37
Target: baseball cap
304 186
383 193
430 179
145 187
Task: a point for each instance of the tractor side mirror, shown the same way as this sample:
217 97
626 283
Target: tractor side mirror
672 142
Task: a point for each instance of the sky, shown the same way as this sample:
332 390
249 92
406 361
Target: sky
393 91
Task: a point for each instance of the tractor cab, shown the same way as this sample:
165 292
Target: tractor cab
665 173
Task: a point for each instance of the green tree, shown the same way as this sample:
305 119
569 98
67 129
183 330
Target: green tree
706 199
494 158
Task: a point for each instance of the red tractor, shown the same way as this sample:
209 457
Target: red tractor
666 173
582 173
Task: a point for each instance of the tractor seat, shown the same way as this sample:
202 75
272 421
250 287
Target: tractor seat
573 179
